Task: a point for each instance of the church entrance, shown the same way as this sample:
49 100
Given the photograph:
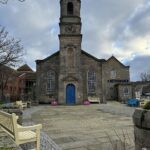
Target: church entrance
70 94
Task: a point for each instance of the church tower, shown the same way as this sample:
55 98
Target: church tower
70 39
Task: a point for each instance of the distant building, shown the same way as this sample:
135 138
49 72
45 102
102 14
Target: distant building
8 84
71 75
129 90
17 84
28 80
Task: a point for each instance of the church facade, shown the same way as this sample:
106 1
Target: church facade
71 75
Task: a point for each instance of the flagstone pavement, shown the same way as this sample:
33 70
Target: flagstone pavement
93 127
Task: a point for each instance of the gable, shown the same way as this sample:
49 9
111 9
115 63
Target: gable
49 58
92 57
114 61
25 68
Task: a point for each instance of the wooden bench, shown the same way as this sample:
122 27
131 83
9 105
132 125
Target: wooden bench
93 99
21 104
20 134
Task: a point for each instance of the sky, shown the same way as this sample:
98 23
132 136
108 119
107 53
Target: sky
110 27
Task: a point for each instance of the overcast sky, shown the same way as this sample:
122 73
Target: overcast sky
109 27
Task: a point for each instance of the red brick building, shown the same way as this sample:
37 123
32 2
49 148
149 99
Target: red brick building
16 84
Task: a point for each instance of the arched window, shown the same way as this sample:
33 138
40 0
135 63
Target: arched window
126 91
91 77
51 81
70 8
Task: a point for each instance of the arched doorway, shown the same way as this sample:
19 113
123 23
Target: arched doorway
70 94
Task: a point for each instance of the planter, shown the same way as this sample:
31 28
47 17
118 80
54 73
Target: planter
141 119
86 102
54 103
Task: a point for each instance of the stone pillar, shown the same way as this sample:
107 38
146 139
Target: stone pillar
141 119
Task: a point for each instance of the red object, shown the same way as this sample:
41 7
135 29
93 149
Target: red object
54 103
86 102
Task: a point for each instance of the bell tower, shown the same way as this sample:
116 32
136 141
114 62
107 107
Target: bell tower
70 24
70 21
70 39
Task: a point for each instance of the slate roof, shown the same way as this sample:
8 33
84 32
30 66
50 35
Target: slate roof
25 68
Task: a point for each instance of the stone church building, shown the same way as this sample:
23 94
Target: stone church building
71 75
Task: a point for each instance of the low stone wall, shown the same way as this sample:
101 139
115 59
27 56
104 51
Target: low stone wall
6 142
141 119
18 112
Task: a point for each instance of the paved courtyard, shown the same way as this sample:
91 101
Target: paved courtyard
93 127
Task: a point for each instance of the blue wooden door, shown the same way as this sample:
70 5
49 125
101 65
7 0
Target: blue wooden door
70 94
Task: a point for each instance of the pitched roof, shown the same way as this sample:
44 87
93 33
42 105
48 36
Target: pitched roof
113 57
25 68
55 54
28 76
89 55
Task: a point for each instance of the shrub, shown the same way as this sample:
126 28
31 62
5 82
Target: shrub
1 102
147 106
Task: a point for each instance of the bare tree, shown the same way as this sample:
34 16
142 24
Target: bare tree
11 50
11 53
145 76
6 1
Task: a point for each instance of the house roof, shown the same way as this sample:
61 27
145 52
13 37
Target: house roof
25 68
28 75
85 53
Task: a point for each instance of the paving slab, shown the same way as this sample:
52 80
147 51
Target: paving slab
88 127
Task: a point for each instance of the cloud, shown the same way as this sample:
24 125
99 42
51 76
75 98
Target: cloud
139 65
119 28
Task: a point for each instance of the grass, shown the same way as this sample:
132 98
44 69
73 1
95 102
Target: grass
3 148
123 141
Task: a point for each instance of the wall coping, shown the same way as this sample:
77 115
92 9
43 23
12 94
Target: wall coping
141 118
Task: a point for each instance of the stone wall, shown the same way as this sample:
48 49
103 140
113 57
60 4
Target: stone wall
141 119
122 96
87 64
7 142
109 82
43 67
133 88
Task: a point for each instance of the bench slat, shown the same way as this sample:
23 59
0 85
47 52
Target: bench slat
20 134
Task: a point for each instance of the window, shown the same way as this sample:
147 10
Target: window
126 91
91 82
51 81
113 74
70 8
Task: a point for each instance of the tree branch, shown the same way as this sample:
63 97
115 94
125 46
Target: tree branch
6 1
11 50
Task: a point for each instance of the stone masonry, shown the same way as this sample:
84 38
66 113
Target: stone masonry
71 75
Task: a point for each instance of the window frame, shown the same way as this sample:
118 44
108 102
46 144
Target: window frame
51 82
126 91
91 82
70 8
113 74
